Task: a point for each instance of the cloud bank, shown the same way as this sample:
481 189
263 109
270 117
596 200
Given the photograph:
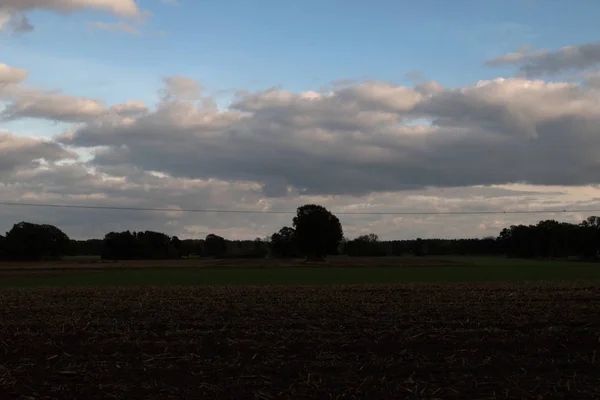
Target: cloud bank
506 143
358 139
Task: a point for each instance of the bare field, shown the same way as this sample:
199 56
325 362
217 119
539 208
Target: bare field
403 341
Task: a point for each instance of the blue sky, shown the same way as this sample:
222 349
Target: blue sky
299 45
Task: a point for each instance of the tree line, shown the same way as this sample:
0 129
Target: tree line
314 233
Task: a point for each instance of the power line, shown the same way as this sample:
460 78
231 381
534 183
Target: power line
202 210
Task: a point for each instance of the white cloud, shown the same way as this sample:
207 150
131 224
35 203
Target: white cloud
11 75
53 106
13 12
25 101
129 108
117 7
182 88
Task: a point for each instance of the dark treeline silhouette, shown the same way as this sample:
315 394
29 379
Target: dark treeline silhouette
27 241
140 245
155 245
314 234
89 247
552 239
370 246
546 239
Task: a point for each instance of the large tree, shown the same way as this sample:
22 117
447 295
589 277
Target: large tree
27 241
152 245
318 231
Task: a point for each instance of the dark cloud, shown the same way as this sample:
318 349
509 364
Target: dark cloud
541 63
76 184
592 79
360 139
17 24
19 152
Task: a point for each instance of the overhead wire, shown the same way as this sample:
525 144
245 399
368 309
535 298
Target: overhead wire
233 211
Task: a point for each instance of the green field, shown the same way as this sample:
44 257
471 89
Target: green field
467 269
81 258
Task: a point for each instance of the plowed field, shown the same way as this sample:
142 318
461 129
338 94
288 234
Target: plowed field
411 341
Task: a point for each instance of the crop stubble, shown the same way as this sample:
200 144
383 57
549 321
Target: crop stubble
401 341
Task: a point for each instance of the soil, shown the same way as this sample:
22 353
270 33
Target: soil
530 341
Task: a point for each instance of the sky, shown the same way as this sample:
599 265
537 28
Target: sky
423 106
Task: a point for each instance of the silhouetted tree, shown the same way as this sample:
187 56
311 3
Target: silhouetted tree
318 231
283 243
152 245
27 241
175 247
119 246
214 246
589 236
